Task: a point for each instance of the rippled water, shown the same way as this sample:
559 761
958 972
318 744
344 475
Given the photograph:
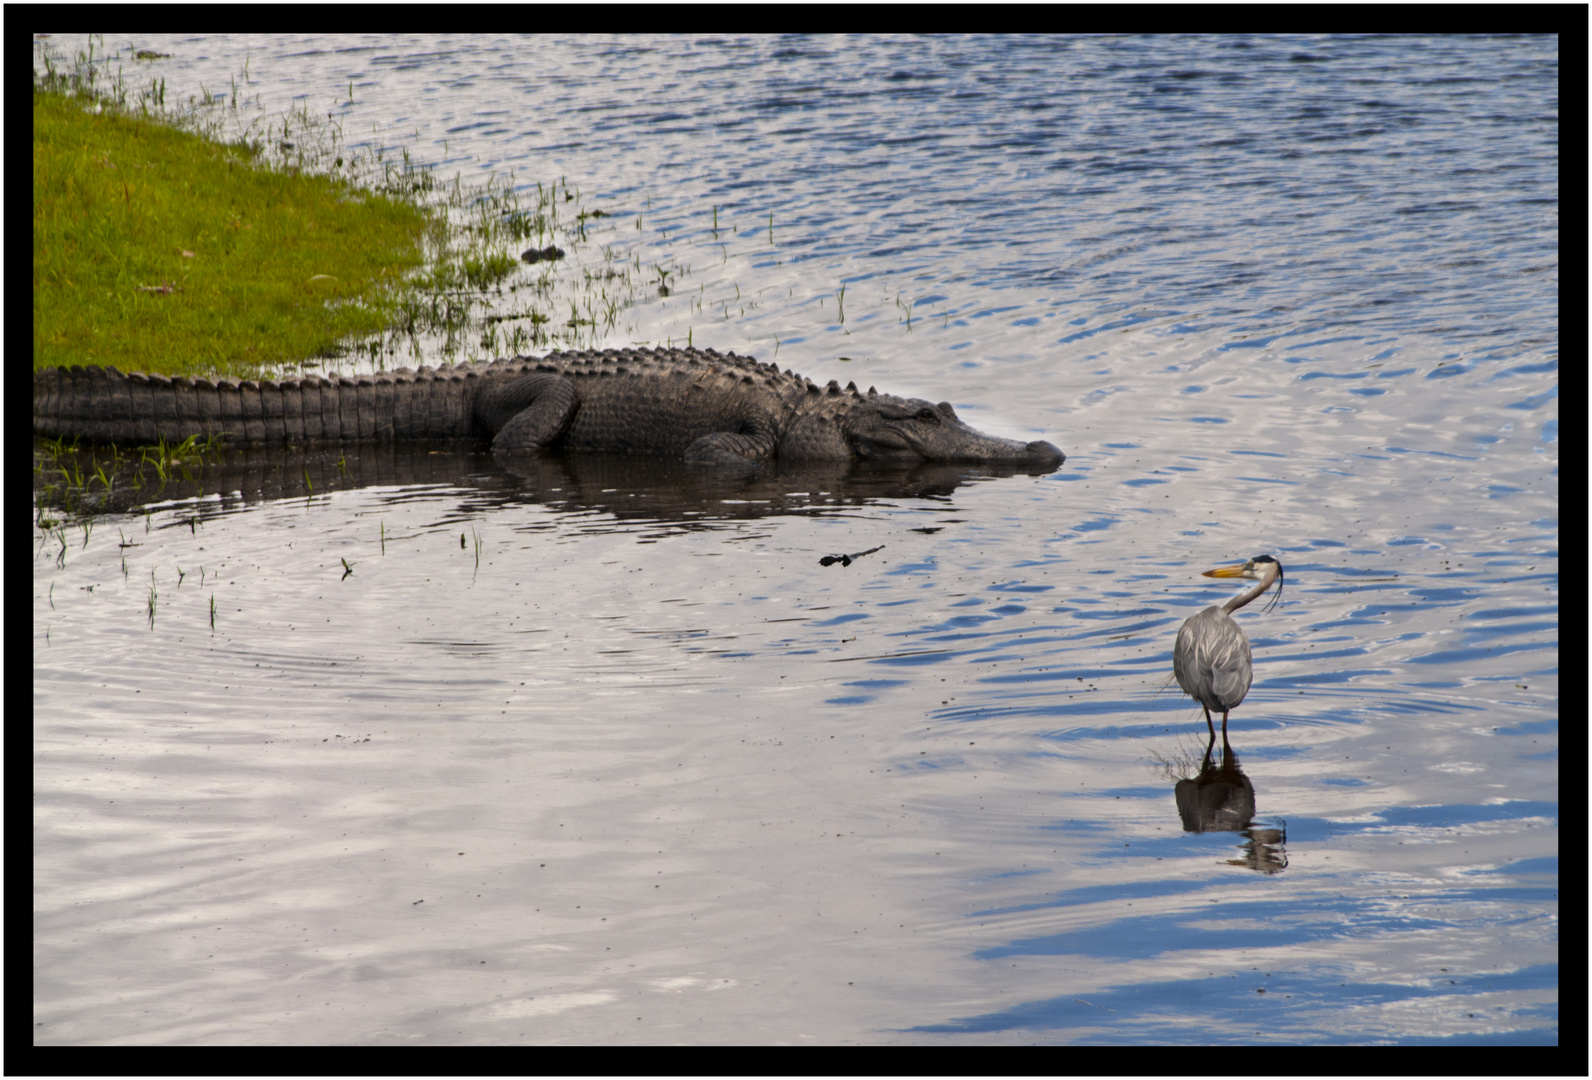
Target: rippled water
576 745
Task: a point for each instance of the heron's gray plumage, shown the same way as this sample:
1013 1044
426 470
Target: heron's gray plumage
1211 660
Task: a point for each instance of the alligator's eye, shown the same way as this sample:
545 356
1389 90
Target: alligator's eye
927 414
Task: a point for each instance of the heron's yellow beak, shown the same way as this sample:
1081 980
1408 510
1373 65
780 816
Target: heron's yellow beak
1227 571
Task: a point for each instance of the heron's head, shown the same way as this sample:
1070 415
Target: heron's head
1260 568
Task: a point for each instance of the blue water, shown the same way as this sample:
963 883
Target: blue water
1295 296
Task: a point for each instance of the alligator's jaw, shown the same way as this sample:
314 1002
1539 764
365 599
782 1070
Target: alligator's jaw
963 445
882 427
991 451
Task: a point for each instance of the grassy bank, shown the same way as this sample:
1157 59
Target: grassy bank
208 237
156 249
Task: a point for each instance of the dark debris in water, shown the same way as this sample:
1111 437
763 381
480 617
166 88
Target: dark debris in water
845 560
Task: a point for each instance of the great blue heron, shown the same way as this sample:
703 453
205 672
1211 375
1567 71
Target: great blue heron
1211 657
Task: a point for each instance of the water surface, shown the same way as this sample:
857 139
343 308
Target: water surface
587 750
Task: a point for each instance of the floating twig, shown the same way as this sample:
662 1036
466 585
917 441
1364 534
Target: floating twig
845 560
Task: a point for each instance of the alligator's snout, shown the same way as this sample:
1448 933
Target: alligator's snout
1046 453
1039 455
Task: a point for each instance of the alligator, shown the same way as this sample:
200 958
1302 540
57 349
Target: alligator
696 404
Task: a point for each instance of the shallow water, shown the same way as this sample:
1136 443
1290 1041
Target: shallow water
578 744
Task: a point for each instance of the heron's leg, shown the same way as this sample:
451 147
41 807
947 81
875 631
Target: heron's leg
1224 726
1211 727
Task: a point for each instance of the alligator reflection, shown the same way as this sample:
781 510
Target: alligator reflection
628 487
1221 799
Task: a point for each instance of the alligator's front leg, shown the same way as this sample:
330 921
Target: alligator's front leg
528 413
753 443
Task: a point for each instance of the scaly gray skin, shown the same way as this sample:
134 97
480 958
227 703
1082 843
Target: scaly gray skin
698 405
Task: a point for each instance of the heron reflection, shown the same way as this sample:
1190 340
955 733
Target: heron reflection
1220 798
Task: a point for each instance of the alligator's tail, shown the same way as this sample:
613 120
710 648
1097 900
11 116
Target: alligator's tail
101 404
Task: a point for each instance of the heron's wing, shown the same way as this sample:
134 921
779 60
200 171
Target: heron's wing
1231 669
1211 660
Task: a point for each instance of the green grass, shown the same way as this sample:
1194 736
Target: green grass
205 237
155 249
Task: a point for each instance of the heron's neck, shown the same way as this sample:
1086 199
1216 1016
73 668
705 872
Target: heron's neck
1245 597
